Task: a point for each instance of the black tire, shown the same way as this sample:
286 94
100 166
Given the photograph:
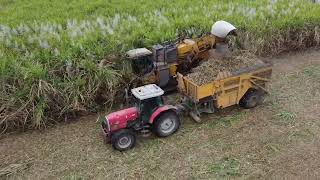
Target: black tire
251 99
166 124
123 140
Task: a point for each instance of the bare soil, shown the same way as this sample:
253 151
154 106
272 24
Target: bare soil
279 139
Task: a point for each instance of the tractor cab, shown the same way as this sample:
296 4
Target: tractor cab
148 98
141 60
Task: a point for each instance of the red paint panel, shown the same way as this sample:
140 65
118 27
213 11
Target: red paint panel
159 111
119 119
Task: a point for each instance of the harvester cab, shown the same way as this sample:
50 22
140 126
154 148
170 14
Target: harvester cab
148 113
147 98
156 65
141 61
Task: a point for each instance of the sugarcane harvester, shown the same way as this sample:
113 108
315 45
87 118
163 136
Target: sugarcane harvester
162 62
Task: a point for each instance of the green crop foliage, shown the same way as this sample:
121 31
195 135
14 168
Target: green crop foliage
50 49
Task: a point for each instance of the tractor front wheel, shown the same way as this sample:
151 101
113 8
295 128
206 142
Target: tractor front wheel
123 140
166 124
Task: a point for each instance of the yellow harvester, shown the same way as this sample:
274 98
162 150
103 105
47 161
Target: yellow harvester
162 62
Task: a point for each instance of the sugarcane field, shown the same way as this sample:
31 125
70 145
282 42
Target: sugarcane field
139 89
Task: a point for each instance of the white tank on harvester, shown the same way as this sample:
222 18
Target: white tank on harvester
222 29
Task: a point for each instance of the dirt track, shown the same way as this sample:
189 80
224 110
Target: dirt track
280 138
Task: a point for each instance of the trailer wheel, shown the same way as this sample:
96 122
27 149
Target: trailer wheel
195 117
166 124
123 140
251 99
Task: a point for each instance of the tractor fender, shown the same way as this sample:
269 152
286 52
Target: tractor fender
160 110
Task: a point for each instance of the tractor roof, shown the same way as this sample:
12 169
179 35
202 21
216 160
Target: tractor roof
138 52
147 91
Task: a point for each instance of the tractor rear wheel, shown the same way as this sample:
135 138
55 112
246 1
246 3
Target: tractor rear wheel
123 140
166 124
251 99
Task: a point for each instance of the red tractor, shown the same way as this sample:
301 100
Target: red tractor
148 113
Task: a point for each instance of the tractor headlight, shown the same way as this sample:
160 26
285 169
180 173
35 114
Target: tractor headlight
105 124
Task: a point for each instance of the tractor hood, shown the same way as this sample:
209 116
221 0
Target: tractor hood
118 120
221 29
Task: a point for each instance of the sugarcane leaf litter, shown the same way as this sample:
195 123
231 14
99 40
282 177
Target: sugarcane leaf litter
209 70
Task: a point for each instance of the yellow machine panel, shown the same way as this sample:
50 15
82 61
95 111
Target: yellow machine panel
173 69
195 49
